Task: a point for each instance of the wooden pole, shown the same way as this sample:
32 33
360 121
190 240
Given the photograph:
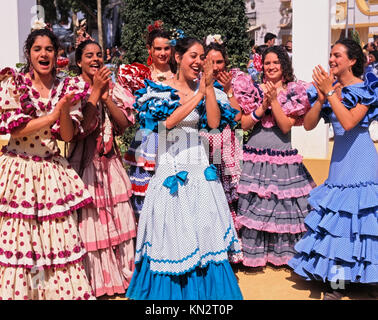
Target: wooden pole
99 24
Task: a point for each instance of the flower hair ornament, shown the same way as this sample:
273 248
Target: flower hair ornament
213 38
158 24
39 24
81 33
176 35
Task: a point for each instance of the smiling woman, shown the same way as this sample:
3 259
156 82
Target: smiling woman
107 227
39 191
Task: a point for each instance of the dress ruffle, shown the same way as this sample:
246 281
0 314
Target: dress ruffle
63 182
228 113
341 242
365 93
155 103
215 281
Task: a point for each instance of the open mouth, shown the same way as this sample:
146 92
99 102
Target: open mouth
44 63
95 66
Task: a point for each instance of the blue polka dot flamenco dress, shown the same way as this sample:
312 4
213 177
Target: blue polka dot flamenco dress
186 231
341 243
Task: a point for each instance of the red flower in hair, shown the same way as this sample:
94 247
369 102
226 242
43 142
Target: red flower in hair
158 24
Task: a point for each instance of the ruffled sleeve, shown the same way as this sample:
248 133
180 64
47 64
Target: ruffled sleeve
132 76
155 103
294 101
80 88
365 93
312 96
16 108
227 112
124 100
246 93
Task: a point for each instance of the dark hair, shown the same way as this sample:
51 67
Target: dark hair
354 51
218 47
80 49
285 62
375 54
156 33
260 49
269 36
30 42
184 44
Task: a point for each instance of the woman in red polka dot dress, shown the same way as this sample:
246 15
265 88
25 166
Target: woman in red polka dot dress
41 250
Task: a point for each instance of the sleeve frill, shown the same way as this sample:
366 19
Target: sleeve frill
227 112
365 93
80 88
295 103
124 100
155 103
132 76
16 108
248 95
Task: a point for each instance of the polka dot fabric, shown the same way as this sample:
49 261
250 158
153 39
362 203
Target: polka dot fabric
41 250
341 243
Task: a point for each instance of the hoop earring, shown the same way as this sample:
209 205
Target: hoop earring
149 60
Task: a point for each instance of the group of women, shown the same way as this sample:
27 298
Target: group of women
196 201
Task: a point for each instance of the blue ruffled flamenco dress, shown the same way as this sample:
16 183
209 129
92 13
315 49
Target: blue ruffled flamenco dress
341 243
186 231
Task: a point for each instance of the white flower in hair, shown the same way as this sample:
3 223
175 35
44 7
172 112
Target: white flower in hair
217 38
39 24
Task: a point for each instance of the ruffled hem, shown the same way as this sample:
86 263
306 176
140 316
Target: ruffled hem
328 270
45 266
101 202
271 226
35 158
47 215
291 159
266 192
262 262
350 198
107 243
216 281
141 162
191 261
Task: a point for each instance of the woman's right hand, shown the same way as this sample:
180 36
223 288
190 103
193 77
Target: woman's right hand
101 80
63 105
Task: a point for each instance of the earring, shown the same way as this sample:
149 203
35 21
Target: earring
149 60
31 72
178 71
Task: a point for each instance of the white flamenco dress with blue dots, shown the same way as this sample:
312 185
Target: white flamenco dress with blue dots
185 232
341 243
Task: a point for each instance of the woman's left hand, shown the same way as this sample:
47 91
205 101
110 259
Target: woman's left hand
271 91
208 72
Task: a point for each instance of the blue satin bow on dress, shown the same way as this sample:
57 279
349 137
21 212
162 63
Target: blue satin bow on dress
172 181
211 173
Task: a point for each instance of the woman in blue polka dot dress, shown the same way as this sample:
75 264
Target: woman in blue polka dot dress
185 232
341 244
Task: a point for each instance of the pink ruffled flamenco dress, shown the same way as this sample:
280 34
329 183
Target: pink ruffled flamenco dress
108 226
41 249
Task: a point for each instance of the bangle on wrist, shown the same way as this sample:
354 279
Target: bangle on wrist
255 117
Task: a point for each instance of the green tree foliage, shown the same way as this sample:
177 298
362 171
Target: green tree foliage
196 18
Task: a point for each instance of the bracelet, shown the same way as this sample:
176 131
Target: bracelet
255 117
